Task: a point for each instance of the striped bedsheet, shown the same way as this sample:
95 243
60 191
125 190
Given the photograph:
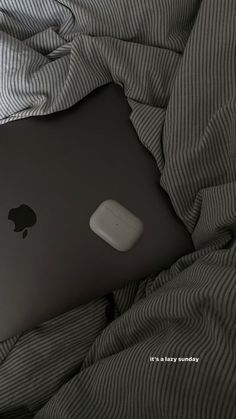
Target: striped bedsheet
164 347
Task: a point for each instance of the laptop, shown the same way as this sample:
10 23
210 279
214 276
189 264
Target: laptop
55 171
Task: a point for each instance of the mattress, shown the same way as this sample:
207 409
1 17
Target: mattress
164 346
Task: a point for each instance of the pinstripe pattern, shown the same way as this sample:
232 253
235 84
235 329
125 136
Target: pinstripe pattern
175 60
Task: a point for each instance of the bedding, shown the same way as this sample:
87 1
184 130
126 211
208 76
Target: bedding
113 358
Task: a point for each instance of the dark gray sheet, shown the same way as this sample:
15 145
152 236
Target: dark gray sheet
176 62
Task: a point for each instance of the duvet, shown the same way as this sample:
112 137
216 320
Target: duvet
176 61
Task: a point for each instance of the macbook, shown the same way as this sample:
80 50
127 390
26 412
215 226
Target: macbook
55 172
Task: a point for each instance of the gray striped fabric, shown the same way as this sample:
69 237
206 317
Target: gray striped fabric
176 61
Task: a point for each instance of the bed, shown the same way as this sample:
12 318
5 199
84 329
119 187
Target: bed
161 347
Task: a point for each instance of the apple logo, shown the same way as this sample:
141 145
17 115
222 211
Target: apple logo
23 217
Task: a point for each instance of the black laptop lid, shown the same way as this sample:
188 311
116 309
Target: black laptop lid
54 172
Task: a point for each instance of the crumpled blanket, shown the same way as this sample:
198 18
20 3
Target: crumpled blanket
160 347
